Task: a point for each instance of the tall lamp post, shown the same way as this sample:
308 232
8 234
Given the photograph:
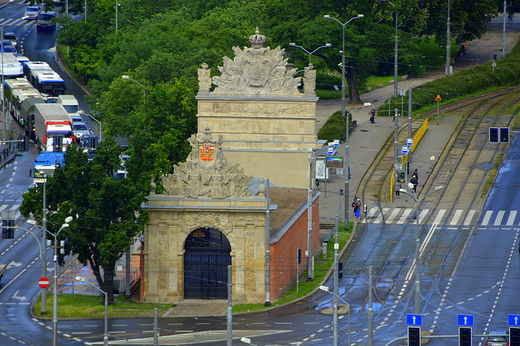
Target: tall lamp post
417 242
326 289
105 336
395 49
100 127
327 45
55 281
142 86
343 108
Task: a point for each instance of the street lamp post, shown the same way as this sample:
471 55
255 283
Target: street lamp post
343 109
327 45
142 86
105 336
326 289
100 127
417 243
395 49
55 281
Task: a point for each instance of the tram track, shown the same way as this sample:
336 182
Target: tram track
468 137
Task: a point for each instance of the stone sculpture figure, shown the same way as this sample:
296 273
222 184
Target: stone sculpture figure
204 78
309 84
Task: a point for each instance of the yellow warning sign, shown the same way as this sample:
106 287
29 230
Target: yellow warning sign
438 98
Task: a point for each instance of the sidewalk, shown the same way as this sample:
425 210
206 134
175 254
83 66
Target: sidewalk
367 139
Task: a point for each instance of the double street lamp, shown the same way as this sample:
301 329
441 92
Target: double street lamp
343 109
55 281
327 45
417 242
336 296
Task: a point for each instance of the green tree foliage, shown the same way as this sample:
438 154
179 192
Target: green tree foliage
107 213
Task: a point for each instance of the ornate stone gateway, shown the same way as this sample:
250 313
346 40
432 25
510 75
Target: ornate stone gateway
205 219
267 124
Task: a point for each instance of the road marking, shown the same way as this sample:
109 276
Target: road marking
499 218
405 215
456 217
486 218
393 215
469 217
439 216
511 219
422 215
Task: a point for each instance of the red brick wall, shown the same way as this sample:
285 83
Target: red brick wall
284 252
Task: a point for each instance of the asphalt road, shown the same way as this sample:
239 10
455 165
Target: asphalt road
483 283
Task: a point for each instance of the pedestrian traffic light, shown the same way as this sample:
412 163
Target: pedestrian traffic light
504 135
514 336
7 232
341 192
299 256
402 176
365 208
340 269
414 336
464 336
493 134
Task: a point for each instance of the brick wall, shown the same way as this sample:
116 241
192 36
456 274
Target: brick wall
284 252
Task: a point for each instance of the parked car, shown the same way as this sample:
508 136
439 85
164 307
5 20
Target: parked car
32 12
497 338
10 36
80 129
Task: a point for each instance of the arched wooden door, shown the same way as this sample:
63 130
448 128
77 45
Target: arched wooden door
206 257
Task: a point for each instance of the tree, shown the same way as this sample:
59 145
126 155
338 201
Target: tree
107 213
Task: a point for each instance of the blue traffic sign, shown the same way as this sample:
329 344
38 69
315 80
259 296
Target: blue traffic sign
330 150
465 320
413 320
513 320
404 150
409 141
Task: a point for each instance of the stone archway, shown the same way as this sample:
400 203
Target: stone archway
206 257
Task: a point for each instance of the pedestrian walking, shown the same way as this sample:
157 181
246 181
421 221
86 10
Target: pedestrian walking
397 190
415 182
356 204
396 113
373 114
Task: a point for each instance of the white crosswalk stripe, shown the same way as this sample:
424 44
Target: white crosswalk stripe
10 22
457 218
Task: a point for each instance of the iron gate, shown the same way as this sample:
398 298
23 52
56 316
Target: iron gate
206 257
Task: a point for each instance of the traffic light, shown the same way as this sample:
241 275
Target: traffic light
514 336
25 143
7 232
493 134
349 176
340 269
504 135
365 208
317 182
414 336
464 336
299 256
402 176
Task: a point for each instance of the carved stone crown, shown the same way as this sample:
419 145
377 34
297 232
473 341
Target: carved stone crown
206 172
257 40
257 71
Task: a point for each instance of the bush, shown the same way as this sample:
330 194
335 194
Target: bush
334 128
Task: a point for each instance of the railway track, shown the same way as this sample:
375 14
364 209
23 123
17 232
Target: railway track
463 169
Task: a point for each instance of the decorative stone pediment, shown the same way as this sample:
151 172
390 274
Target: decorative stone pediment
256 71
206 172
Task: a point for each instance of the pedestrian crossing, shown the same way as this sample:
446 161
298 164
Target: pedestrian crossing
12 22
457 218
12 207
